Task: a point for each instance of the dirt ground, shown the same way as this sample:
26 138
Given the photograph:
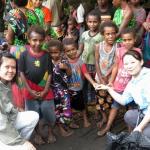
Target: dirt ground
83 138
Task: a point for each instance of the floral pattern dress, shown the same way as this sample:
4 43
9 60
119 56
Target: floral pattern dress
62 97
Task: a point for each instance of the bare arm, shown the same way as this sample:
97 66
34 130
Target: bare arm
80 49
116 96
98 71
127 17
143 123
46 88
89 78
114 71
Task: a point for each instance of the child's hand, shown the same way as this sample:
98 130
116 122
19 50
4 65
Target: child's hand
110 84
35 94
96 85
63 66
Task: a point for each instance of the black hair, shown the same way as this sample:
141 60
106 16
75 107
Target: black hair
129 31
21 3
37 29
69 41
6 54
72 19
137 55
93 13
55 43
108 24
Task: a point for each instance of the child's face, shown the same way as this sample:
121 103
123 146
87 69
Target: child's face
70 51
71 25
37 3
54 53
128 40
109 35
116 3
135 2
8 69
102 2
36 40
93 23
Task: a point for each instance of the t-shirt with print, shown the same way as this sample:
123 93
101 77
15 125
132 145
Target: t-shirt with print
75 81
36 69
122 77
88 55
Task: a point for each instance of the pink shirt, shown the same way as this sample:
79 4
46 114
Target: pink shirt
122 77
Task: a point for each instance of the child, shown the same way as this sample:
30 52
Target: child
104 60
61 71
105 7
44 14
86 50
35 70
123 16
146 43
120 77
75 82
140 16
72 31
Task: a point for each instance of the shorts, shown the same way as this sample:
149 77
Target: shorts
89 91
46 109
77 100
104 100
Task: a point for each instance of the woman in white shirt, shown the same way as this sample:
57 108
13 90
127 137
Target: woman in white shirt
137 90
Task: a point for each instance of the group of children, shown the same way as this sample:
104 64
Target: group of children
65 75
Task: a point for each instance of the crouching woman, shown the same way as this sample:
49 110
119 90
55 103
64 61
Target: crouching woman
137 90
15 127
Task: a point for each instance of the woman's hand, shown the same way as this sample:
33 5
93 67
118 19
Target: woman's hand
96 85
137 129
101 87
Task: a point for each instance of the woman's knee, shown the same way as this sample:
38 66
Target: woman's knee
130 117
34 117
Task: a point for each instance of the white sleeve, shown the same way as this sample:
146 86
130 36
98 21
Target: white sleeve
80 14
127 96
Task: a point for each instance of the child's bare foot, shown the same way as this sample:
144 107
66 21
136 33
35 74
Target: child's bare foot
74 125
51 139
38 140
66 133
87 124
101 123
102 132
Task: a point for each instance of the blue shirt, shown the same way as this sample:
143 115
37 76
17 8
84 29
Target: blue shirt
138 90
